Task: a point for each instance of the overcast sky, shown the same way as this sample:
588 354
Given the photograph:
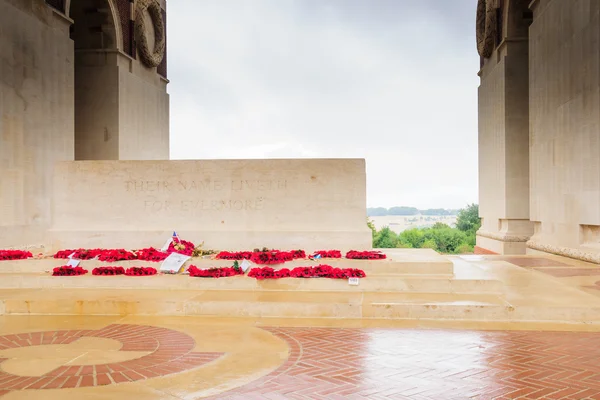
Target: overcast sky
391 81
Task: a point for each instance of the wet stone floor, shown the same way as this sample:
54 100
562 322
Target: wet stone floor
192 358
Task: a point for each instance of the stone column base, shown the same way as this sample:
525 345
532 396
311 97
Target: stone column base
499 243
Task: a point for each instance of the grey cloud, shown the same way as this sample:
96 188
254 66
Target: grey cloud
390 80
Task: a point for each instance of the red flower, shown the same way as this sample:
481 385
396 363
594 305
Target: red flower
182 247
112 255
140 271
151 254
116 255
297 254
67 270
365 255
272 257
79 254
14 255
328 254
319 271
214 272
108 271
238 255
262 273
282 273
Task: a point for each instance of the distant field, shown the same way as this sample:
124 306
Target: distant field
399 223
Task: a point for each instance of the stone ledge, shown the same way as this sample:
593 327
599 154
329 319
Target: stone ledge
503 236
578 254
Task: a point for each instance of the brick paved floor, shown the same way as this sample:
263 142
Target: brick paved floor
170 352
336 363
408 364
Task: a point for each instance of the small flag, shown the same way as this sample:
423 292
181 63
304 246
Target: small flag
175 237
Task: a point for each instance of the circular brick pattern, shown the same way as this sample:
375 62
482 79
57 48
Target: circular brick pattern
170 353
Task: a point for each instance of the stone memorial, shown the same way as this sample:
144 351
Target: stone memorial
311 204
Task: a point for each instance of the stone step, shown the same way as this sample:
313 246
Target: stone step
440 266
284 304
373 283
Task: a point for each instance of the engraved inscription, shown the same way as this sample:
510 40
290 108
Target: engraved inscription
207 185
227 201
256 204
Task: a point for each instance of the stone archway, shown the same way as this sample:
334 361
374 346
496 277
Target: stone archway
114 14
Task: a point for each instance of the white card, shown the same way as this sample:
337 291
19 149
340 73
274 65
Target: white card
71 255
73 262
173 263
353 281
166 245
245 265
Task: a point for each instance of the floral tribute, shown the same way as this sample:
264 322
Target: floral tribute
108 271
151 254
182 247
365 255
237 255
6 255
140 271
319 271
113 255
327 254
215 272
67 270
105 255
264 256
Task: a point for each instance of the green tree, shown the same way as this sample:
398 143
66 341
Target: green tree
385 239
440 225
412 238
371 226
470 241
464 249
468 219
447 240
429 244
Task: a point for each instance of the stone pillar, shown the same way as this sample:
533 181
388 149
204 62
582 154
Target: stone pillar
503 128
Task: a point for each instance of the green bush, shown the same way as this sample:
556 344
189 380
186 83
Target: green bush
429 244
385 239
440 237
468 219
447 240
413 238
464 249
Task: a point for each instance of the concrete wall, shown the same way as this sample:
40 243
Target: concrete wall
228 204
565 127
36 115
